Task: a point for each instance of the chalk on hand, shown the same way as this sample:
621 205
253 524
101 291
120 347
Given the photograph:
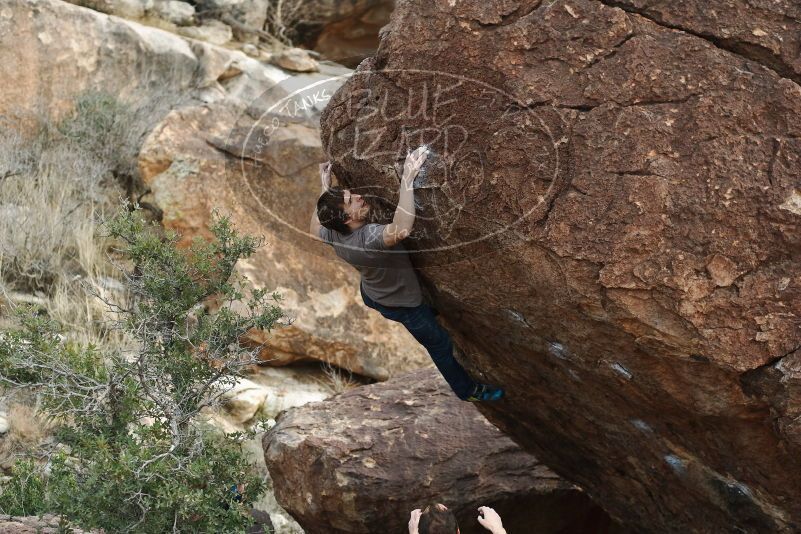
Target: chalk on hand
421 181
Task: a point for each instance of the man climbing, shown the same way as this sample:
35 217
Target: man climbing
388 281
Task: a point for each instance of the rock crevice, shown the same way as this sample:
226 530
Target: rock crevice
748 51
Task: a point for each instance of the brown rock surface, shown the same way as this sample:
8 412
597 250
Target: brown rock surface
767 31
345 31
350 40
612 224
359 463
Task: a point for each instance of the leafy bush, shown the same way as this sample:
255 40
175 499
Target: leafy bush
134 455
25 493
106 128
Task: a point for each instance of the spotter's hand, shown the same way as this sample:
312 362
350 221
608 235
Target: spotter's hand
414 520
490 520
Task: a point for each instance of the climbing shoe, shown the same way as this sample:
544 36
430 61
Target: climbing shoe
485 392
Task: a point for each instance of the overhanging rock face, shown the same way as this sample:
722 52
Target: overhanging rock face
611 226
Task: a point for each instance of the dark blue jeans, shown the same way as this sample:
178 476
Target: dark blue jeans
422 324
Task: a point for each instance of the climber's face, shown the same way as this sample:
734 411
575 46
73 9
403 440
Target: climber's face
355 206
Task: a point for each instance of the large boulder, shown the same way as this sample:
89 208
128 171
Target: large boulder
360 462
612 223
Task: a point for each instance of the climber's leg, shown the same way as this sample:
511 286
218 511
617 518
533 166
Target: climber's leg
422 324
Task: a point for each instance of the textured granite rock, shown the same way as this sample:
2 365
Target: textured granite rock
175 11
129 9
250 13
296 60
612 225
212 31
767 31
359 463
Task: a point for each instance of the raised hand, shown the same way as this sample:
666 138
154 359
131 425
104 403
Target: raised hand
414 520
414 161
490 520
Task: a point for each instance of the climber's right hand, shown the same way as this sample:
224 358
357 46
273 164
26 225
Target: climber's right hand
414 161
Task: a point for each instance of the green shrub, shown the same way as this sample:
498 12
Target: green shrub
25 493
134 455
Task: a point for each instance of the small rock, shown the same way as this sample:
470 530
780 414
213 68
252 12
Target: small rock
722 270
213 31
793 203
244 400
251 50
251 13
295 59
129 9
4 425
175 11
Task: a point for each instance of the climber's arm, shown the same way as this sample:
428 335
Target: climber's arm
403 221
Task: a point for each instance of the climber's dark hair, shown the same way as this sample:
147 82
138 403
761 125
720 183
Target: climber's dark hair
435 520
331 210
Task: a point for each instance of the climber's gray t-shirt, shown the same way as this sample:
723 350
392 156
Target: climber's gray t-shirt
387 273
